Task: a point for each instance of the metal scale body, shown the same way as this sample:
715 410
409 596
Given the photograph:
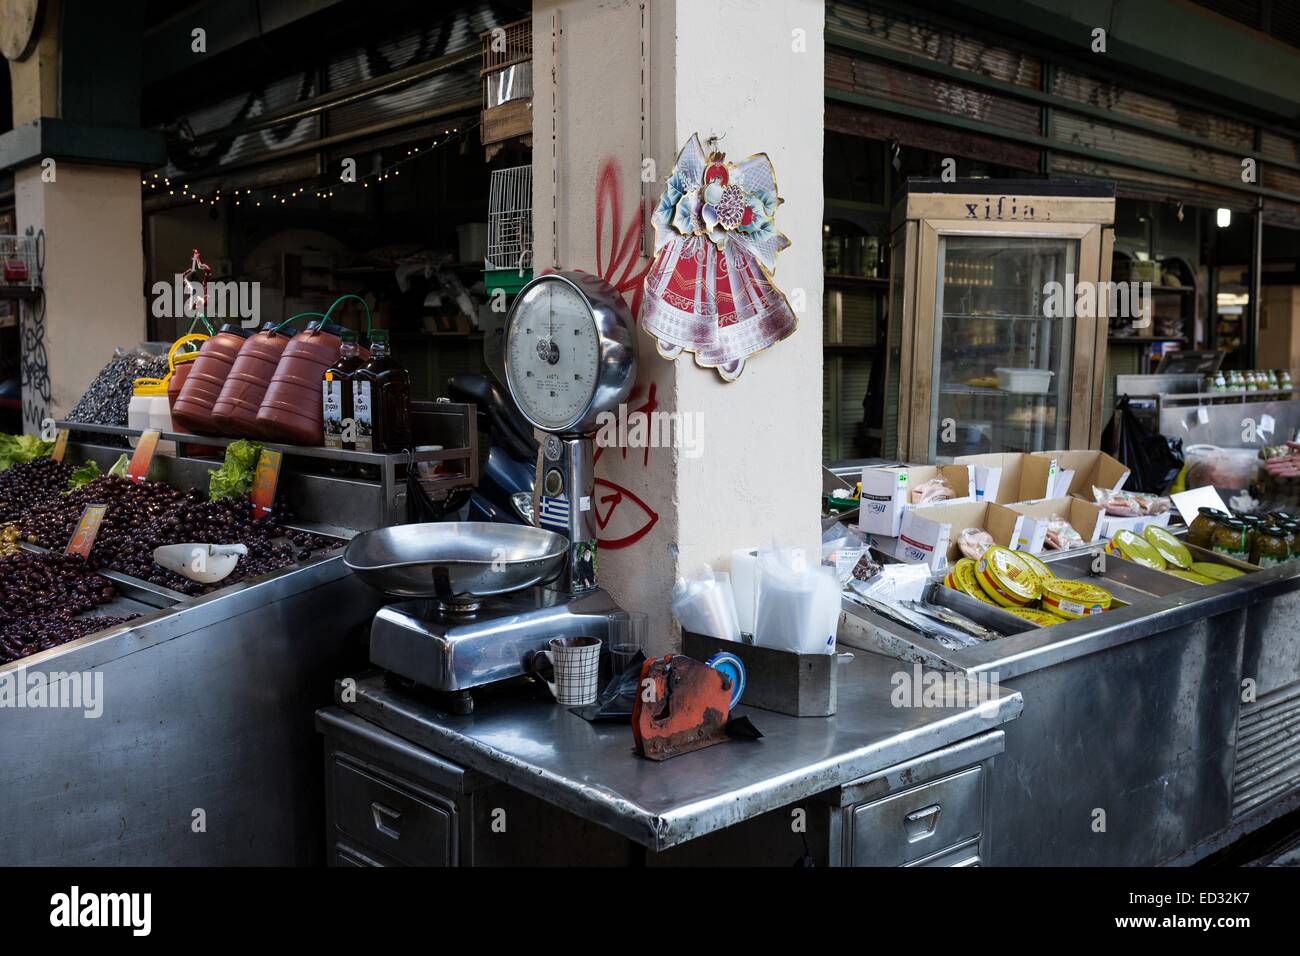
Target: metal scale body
570 355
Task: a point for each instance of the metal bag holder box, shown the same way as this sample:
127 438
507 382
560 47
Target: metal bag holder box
801 685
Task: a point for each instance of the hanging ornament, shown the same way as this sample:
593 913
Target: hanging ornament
709 290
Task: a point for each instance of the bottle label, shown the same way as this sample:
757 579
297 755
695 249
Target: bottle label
363 415
332 397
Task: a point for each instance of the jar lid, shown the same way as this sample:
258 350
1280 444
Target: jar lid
1171 549
1215 513
1137 549
234 329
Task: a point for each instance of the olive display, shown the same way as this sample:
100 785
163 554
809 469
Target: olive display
40 596
142 517
26 484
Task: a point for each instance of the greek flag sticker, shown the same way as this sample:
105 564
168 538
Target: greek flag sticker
554 512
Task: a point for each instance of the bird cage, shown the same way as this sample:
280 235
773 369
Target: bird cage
18 263
510 219
507 72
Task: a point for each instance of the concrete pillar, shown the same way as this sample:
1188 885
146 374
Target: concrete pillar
618 83
90 214
94 279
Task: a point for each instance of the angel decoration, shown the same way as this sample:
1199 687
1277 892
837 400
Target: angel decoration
709 290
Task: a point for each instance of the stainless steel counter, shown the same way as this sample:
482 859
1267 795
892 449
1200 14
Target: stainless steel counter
1178 716
530 743
204 753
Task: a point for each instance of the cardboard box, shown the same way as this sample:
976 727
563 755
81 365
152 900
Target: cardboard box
885 493
1003 477
930 535
1084 517
1065 473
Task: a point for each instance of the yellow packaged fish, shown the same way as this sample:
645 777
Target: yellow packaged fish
1074 599
1006 578
1137 549
1171 549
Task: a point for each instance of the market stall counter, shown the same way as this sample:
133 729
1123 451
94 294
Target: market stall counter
442 783
170 724
1154 733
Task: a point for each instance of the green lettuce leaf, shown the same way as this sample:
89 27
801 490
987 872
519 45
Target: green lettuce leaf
235 476
120 466
16 449
83 475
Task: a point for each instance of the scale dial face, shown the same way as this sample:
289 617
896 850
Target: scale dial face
553 353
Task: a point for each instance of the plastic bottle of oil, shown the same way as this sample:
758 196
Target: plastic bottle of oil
381 400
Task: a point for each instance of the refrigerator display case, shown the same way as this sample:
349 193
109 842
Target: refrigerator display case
991 349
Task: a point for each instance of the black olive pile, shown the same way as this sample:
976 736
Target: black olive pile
141 517
108 399
40 595
24 485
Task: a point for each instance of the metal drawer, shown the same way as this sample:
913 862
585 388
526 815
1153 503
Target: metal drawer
968 854
913 824
391 819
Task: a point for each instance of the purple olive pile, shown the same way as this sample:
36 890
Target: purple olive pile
40 595
24 485
142 517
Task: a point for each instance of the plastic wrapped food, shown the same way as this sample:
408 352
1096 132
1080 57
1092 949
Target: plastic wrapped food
1121 504
1061 535
928 492
1228 468
973 542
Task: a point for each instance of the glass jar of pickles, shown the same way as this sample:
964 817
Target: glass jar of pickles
1270 548
1201 531
1231 539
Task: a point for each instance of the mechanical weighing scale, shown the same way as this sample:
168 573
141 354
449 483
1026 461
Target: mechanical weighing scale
483 598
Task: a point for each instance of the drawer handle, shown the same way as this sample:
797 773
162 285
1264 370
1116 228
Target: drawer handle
387 820
921 823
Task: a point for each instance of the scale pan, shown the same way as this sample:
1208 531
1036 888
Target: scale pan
456 561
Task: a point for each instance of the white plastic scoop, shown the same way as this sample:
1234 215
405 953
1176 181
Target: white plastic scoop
204 563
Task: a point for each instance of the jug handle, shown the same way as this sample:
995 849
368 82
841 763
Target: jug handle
184 339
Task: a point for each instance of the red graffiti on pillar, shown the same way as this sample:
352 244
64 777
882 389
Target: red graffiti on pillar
625 250
634 517
618 262
647 408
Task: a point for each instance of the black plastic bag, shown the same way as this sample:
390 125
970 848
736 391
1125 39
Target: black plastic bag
1153 460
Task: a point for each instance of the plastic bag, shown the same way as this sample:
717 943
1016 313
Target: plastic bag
932 491
798 603
973 542
1130 504
842 549
1061 535
1230 469
1153 460
703 602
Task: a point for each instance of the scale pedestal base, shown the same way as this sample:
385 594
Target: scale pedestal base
449 650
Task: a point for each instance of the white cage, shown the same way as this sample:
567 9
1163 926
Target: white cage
510 219
18 262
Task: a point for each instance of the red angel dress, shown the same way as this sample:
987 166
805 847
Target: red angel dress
709 290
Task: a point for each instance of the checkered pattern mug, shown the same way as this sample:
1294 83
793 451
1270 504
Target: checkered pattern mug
577 667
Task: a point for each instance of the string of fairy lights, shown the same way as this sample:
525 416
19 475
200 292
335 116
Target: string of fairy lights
282 195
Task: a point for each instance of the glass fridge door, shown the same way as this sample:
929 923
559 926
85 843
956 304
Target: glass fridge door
1003 345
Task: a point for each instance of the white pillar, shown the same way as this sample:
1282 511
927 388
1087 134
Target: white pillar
751 74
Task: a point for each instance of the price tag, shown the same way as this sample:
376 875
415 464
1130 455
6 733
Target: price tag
1266 425
138 470
60 444
265 478
83 539
1202 415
